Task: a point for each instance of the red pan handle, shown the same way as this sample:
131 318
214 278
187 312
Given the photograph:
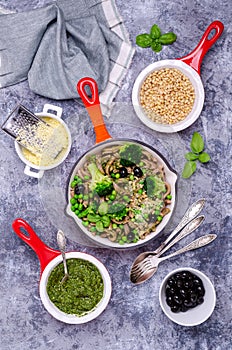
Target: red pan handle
92 105
28 235
195 57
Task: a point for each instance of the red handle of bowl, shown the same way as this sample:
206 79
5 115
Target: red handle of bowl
195 57
28 235
92 105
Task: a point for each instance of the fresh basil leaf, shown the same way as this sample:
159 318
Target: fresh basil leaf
204 157
157 47
191 156
189 169
143 40
197 143
155 32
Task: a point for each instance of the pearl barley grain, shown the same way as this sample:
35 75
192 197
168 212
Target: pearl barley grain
167 96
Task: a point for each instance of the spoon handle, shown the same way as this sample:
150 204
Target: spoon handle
190 214
199 242
61 240
189 228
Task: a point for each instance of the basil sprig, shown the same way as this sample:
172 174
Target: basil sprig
197 154
155 39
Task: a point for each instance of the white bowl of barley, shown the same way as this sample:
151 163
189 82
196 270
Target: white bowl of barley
168 96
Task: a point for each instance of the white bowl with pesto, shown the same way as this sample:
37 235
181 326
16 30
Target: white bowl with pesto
35 167
72 318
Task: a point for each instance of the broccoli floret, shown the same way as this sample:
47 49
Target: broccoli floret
100 183
130 154
117 211
153 186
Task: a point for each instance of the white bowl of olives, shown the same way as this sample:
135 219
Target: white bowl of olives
187 296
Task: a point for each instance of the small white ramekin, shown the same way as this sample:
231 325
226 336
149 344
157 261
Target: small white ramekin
194 316
194 78
36 170
69 318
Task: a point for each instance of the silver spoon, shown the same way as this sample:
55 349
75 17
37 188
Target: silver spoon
61 240
151 266
142 259
191 213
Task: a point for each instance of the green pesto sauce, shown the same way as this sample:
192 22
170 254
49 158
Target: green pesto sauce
81 292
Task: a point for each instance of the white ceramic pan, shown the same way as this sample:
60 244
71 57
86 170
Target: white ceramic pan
190 66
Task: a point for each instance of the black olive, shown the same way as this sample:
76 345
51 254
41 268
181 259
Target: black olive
179 283
175 308
79 189
137 172
200 300
197 282
183 308
170 291
171 282
170 301
177 299
193 297
123 172
200 291
130 236
183 292
188 284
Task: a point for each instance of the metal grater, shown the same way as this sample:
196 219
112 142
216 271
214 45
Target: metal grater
31 132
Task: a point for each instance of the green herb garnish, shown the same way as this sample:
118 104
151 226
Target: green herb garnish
197 147
155 39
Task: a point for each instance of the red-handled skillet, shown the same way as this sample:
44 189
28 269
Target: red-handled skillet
190 66
49 258
103 140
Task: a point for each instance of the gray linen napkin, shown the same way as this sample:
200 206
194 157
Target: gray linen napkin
55 46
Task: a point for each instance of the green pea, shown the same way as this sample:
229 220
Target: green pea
114 225
85 223
73 208
76 205
169 196
124 238
85 197
77 212
159 218
121 226
93 229
157 212
121 242
80 196
80 207
141 164
117 176
126 198
86 177
76 196
140 191
114 192
131 177
73 201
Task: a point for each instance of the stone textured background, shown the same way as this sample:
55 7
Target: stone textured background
133 319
